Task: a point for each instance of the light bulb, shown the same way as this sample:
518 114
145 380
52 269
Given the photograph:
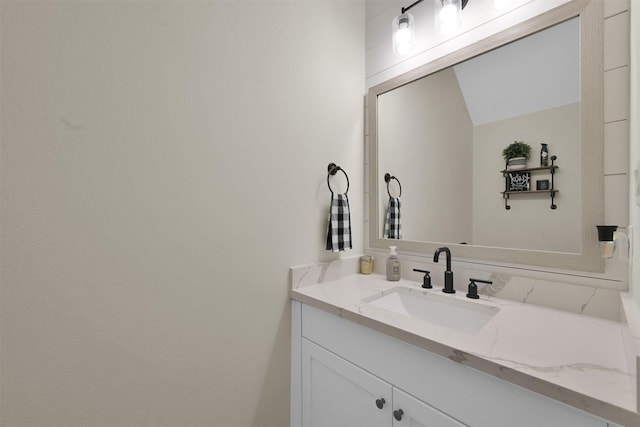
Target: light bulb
403 35
447 15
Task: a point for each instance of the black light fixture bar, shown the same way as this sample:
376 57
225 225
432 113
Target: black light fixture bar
405 9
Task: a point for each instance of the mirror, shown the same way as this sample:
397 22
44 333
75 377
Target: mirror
440 131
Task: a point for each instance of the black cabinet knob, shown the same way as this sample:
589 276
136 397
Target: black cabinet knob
380 403
398 414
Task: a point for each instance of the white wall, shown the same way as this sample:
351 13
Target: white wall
414 143
530 223
163 164
635 141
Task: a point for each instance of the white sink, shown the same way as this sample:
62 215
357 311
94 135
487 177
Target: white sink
462 315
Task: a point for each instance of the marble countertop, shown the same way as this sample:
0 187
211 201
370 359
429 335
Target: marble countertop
576 359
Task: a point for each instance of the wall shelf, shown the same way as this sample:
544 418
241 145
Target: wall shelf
543 168
526 172
530 192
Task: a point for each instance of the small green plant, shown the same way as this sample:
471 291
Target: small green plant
517 149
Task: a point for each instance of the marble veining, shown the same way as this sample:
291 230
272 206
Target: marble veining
526 296
581 367
577 359
500 281
584 306
309 274
576 294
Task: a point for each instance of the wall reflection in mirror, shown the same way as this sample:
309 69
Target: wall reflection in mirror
444 133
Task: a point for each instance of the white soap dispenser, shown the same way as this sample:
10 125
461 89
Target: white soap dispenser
393 265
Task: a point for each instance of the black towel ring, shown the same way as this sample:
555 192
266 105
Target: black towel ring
333 169
387 178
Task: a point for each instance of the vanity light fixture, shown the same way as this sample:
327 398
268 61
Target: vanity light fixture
447 20
403 31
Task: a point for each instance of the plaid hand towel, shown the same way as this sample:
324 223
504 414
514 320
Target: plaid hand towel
392 225
339 227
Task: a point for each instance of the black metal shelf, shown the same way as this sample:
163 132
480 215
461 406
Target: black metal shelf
545 169
530 192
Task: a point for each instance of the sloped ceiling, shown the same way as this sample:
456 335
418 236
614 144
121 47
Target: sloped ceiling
536 73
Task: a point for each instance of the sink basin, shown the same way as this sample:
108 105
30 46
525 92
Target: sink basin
438 309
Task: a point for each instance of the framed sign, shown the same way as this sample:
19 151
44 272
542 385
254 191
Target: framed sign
542 184
518 181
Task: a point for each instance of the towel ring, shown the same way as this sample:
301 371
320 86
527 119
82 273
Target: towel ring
387 178
333 169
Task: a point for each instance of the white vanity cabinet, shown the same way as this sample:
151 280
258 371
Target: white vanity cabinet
337 393
340 369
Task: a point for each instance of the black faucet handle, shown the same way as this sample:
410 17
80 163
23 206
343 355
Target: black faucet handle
426 280
473 288
489 282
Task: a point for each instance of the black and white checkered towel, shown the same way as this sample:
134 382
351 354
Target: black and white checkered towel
392 224
339 227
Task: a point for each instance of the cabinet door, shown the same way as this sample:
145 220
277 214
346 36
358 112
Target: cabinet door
336 393
411 412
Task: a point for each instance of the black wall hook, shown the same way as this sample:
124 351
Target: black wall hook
333 169
387 178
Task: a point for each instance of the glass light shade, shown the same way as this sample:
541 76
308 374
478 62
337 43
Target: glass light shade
403 34
448 15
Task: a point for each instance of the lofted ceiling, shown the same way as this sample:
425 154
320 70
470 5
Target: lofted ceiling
538 72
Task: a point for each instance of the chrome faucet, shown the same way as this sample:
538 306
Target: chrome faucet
448 274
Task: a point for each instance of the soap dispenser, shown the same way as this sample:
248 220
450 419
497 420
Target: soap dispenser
393 265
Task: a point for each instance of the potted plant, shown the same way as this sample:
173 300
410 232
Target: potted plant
516 155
